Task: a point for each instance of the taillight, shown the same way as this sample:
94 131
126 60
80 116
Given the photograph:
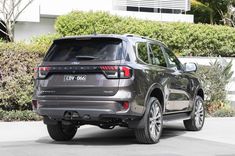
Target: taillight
125 72
122 72
110 71
35 75
41 72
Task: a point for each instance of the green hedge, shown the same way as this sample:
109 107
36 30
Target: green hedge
17 61
44 41
26 115
182 38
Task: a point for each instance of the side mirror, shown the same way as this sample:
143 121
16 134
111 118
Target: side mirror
190 67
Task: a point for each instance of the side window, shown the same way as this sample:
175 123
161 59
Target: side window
158 56
142 50
172 60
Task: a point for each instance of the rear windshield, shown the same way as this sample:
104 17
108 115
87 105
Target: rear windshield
101 49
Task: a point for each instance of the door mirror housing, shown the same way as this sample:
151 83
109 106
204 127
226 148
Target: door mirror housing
190 67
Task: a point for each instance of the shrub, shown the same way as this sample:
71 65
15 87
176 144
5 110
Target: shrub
182 38
26 115
214 79
21 47
224 112
79 23
16 64
44 41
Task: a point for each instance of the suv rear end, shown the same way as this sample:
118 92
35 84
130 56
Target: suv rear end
85 80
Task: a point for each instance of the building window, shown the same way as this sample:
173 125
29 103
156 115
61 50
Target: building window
139 9
131 8
146 9
157 6
156 10
166 11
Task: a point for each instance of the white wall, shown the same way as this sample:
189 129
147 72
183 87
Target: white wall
164 17
26 30
30 14
60 7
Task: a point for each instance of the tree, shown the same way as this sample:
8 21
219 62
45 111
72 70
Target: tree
220 10
202 13
10 10
231 15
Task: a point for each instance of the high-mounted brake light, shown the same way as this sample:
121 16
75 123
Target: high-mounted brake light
122 72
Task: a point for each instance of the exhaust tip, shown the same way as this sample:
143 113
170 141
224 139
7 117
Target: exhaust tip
86 117
71 115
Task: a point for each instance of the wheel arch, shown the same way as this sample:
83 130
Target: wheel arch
200 92
156 90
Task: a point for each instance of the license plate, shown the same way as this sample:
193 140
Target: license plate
75 78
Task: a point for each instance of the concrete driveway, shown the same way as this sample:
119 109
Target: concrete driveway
30 138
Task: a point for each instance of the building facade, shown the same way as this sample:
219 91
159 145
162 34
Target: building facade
40 16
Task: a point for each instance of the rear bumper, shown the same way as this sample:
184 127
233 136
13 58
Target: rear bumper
96 107
86 110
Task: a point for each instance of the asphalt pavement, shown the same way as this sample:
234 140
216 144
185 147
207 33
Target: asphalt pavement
217 138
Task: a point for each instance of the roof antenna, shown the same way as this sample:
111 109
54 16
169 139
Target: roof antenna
94 31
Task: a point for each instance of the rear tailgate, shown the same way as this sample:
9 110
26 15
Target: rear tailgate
75 68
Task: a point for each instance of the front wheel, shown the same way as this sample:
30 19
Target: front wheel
153 121
60 132
198 116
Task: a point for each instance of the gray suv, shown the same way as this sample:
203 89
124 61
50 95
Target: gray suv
115 80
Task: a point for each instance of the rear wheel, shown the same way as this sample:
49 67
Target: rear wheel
60 132
152 130
198 116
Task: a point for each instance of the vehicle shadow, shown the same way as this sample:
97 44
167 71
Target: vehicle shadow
95 136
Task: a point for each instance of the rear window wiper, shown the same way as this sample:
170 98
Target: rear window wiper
86 57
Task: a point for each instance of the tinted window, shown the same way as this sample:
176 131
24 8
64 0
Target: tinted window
158 56
105 49
142 49
173 62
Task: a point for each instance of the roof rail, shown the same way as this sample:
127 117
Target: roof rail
133 35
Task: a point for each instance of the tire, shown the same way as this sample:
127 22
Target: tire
198 116
153 123
61 132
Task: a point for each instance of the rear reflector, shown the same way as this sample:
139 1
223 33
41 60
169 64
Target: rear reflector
125 105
